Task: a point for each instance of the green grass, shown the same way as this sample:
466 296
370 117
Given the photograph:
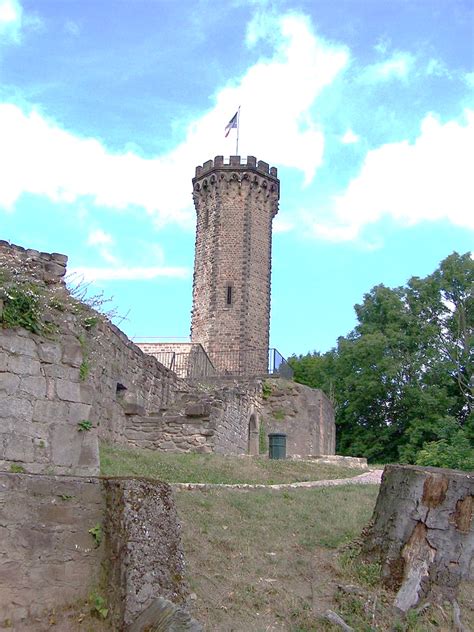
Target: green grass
259 559
212 468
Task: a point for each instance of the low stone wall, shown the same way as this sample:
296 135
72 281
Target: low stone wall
304 414
48 557
63 538
143 546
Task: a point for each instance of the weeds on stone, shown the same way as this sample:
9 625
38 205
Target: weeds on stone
98 606
266 390
97 534
16 468
84 425
21 307
66 497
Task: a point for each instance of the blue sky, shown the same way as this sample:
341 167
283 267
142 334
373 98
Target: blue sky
365 106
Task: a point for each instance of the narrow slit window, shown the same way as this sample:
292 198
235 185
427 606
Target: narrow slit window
229 295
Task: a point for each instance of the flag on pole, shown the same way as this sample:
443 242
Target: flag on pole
232 123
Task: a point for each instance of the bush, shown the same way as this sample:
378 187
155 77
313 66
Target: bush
454 452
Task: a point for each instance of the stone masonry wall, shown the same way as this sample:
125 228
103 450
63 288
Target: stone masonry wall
47 555
304 414
42 402
62 538
126 381
240 400
42 267
78 378
235 205
213 416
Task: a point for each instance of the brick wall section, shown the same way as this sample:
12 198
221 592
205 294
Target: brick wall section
304 414
235 206
49 559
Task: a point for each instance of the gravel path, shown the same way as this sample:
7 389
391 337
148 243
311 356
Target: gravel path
372 477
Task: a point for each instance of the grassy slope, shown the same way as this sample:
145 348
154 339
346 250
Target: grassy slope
208 468
261 561
264 560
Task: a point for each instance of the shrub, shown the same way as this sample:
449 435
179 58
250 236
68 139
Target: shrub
454 452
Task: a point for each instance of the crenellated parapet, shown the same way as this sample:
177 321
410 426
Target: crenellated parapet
43 267
258 175
236 162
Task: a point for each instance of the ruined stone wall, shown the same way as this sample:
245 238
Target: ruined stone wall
82 380
47 555
212 416
240 399
63 538
126 382
77 379
304 414
42 402
42 267
235 205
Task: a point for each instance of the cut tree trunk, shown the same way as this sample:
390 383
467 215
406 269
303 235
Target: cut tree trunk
422 532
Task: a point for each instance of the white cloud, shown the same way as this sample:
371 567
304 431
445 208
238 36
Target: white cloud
128 273
99 237
428 180
103 241
350 137
277 94
398 66
10 20
282 225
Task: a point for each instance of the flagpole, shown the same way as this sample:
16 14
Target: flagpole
238 125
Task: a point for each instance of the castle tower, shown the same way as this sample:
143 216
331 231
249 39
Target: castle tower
235 205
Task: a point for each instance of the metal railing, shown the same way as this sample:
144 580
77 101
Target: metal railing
236 363
196 363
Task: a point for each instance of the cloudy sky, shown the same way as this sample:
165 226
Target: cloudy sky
365 106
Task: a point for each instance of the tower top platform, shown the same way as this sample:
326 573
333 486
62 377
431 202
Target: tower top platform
236 162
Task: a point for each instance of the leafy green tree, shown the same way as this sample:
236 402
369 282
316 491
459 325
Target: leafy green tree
402 379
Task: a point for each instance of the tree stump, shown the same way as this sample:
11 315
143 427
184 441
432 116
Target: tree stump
422 533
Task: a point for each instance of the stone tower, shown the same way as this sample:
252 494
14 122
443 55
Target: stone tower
235 205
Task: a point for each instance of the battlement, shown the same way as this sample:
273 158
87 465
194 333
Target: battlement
236 162
44 267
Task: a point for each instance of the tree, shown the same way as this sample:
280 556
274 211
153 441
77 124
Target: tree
402 379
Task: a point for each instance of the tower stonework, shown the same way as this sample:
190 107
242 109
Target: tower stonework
235 206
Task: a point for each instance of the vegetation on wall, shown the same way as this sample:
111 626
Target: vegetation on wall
19 305
402 380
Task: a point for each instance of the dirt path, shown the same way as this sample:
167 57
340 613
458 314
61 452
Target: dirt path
372 477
